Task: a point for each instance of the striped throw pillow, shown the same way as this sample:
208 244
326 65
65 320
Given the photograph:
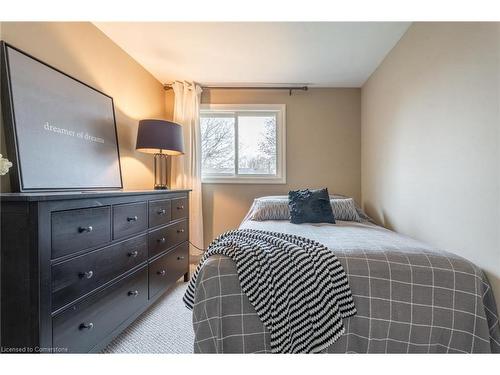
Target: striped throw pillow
270 209
345 209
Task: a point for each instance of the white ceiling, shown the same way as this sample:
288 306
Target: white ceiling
323 54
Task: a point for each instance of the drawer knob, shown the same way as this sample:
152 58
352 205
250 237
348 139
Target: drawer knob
132 218
133 254
85 229
180 207
162 240
162 212
88 326
180 258
162 273
86 275
180 230
133 293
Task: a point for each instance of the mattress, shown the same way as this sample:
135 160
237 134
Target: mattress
410 297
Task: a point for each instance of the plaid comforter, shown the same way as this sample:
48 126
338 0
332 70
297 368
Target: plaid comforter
296 285
410 298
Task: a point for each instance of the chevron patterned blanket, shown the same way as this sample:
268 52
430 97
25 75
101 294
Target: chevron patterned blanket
296 285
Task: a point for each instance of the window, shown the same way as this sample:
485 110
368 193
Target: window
243 143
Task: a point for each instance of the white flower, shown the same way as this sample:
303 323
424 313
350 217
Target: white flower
5 164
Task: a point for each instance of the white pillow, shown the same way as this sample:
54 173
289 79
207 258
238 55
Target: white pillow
276 208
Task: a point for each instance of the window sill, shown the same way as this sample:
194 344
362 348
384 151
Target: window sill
244 180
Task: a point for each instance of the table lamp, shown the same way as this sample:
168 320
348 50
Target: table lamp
161 138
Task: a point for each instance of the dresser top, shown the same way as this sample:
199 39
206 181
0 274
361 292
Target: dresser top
60 195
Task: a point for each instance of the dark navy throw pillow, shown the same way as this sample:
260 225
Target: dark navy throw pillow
310 206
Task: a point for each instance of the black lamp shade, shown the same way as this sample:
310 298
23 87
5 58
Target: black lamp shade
160 136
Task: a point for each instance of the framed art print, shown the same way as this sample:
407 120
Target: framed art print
60 132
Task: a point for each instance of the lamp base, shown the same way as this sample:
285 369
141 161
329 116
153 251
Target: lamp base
161 172
161 187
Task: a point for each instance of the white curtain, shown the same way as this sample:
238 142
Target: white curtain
186 169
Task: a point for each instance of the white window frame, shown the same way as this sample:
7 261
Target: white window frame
280 177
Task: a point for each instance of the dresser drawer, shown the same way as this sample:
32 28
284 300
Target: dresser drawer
167 269
78 276
85 324
180 208
166 237
159 212
81 229
129 219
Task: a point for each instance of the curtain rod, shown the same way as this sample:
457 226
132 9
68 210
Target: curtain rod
168 86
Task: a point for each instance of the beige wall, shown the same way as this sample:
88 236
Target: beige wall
431 140
323 150
83 51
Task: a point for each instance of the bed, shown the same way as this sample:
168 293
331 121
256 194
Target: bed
410 297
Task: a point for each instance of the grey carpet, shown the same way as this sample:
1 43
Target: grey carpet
164 328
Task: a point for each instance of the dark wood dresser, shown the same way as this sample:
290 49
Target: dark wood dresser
78 268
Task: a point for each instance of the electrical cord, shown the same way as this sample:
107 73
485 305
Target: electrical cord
192 244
